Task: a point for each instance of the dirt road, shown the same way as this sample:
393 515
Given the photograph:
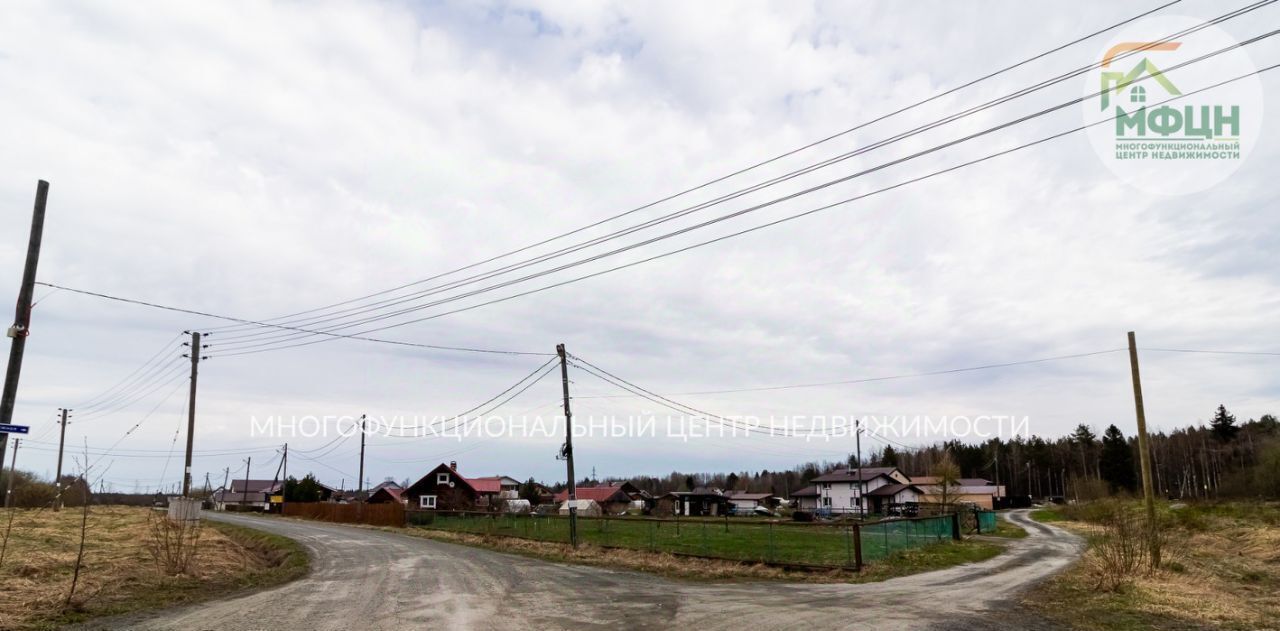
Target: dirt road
370 580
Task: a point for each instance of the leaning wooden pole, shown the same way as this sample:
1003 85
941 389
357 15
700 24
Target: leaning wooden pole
1144 455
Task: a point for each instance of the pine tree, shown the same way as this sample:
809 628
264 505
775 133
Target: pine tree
1117 461
890 457
1224 425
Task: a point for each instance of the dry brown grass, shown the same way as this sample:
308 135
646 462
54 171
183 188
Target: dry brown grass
118 573
1218 571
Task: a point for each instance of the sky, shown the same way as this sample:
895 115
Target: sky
259 159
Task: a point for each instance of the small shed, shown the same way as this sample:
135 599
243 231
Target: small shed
586 508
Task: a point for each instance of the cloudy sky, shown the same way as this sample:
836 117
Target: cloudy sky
256 159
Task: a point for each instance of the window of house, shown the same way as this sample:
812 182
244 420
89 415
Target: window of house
427 501
442 478
826 485
826 501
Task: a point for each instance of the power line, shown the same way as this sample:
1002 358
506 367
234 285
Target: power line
842 382
746 169
267 337
206 314
96 398
1189 350
769 224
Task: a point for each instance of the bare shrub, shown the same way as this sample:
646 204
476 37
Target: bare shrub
1122 549
173 544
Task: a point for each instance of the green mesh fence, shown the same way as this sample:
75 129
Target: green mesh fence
881 539
986 521
826 545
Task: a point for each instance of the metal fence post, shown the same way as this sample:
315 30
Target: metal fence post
771 556
653 546
848 546
955 526
704 537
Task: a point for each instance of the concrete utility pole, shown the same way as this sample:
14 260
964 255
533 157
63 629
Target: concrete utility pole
22 318
57 477
360 480
567 450
13 468
1144 454
191 411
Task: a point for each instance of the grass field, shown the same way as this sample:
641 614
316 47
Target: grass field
1221 569
737 540
118 575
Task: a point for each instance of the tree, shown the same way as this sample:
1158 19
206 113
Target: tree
1224 425
529 491
890 457
1084 439
307 489
1116 461
948 474
690 483
731 481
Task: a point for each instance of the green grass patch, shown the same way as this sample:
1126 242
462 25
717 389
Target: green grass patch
1048 515
735 540
1008 530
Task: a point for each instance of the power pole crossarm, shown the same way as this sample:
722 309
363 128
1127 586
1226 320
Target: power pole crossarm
22 317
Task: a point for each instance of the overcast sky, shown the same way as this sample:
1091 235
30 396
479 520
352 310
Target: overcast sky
257 159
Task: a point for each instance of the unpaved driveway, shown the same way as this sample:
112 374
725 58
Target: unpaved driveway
368 580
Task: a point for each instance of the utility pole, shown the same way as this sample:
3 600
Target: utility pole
244 490
13 469
284 477
567 451
360 480
226 475
57 478
191 409
857 434
1148 493
22 318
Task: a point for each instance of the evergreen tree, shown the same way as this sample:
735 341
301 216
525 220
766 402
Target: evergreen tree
1117 461
890 457
1224 425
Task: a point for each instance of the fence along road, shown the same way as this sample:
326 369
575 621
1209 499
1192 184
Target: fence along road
373 580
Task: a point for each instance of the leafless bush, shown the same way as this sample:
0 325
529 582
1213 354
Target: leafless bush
1122 549
173 544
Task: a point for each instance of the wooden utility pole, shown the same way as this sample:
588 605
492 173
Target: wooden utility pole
244 490
1144 455
284 477
191 411
360 480
22 318
857 433
57 477
13 469
567 451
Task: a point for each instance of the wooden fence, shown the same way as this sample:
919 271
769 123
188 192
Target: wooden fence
388 514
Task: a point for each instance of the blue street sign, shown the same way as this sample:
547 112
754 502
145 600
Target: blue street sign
13 429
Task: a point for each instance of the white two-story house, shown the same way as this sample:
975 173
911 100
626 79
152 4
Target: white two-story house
846 490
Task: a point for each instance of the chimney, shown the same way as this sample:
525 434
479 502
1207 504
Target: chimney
453 464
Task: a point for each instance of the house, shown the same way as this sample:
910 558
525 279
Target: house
981 495
493 490
701 501
247 495
387 494
894 499
612 498
842 491
586 508
745 503
441 489
806 498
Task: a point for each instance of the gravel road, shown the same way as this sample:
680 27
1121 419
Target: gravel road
370 580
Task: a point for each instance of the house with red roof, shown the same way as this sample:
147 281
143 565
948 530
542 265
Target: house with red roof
612 498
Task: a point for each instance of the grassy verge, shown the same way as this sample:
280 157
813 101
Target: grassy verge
1220 569
901 563
118 575
1007 530
1047 515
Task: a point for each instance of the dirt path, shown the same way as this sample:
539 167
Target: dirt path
370 580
